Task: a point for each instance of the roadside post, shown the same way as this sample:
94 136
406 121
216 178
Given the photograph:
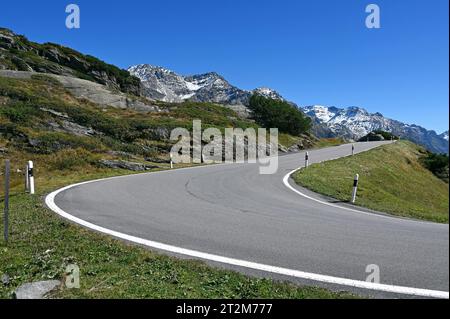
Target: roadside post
6 203
353 149
27 180
30 174
355 188
306 159
171 160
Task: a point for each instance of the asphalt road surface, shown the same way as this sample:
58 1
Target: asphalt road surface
233 211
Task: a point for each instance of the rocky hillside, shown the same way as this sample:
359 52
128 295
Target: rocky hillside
355 122
20 54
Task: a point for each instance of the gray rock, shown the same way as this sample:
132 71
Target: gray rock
282 149
131 166
59 114
159 133
77 129
294 149
5 279
36 290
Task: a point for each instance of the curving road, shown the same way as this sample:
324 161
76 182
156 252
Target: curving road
255 223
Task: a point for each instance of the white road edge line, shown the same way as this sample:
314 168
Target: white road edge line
353 210
50 202
288 185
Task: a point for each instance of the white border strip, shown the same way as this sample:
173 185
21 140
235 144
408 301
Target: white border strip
50 201
288 185
353 210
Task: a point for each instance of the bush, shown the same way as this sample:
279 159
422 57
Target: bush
378 135
279 114
51 142
387 136
438 165
19 112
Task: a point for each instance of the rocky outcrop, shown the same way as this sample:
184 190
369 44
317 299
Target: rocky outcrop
36 290
131 166
20 54
92 92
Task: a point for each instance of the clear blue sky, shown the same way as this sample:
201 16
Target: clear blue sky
311 51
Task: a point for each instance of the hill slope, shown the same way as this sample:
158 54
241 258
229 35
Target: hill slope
392 179
19 54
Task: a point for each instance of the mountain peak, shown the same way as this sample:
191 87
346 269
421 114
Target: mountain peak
355 122
268 93
162 84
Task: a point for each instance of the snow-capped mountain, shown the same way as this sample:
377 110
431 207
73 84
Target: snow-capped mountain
165 85
355 122
444 135
268 93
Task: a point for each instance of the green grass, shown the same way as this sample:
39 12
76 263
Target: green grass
42 245
328 142
392 180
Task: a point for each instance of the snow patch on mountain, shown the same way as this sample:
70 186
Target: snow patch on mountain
355 122
268 93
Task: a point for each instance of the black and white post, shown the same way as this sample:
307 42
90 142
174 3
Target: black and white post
171 160
353 149
355 188
6 202
306 159
30 174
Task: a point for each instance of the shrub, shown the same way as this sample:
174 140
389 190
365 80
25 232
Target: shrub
19 112
438 164
279 114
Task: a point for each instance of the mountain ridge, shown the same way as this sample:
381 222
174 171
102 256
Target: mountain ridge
351 123
159 82
356 122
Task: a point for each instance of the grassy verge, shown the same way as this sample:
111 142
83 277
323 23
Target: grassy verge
392 179
328 142
42 245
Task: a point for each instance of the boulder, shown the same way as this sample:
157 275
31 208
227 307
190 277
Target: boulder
36 290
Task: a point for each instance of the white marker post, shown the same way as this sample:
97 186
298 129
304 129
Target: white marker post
306 159
27 180
355 188
171 160
30 174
